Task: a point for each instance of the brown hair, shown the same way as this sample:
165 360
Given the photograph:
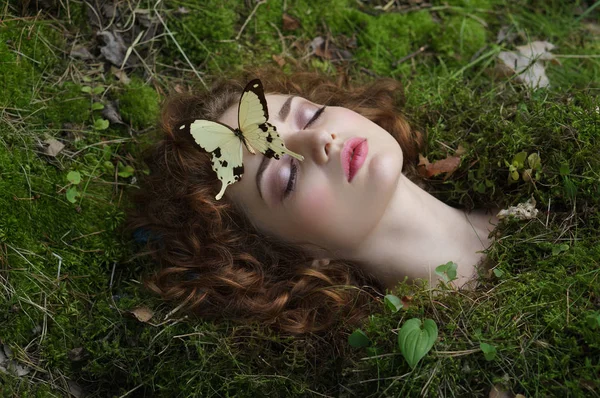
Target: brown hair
212 260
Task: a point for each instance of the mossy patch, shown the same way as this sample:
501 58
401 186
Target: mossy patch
138 104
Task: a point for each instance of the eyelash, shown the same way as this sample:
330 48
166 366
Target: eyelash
293 168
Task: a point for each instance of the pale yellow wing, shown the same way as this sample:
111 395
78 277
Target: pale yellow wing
225 147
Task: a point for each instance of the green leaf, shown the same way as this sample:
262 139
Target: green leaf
593 320
71 194
534 161
489 351
519 159
414 341
358 339
557 249
98 90
86 89
97 106
126 171
564 170
74 177
373 351
101 124
570 188
392 302
498 272
447 271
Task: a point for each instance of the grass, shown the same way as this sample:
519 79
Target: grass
70 280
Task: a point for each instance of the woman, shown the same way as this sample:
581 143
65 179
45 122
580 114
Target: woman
298 244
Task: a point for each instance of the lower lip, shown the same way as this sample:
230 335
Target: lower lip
353 162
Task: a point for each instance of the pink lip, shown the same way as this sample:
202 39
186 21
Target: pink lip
354 154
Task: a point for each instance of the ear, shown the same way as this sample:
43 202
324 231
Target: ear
320 262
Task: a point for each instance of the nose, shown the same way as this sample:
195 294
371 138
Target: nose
314 143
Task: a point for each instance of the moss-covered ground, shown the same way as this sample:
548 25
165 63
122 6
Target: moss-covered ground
69 278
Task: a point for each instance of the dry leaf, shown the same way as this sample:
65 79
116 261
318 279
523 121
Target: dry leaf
327 50
406 301
114 48
448 165
461 150
111 113
498 391
279 59
53 147
522 211
527 63
142 314
120 74
81 52
290 23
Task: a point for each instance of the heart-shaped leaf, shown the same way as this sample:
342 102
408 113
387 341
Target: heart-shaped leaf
489 351
447 271
414 341
392 302
358 339
101 124
74 177
71 194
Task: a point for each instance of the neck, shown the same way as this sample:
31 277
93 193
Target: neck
419 232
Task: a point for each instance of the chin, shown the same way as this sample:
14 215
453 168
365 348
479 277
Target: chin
385 171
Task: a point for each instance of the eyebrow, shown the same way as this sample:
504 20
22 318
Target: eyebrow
283 114
285 109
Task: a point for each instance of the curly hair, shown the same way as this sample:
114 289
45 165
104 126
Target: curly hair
213 262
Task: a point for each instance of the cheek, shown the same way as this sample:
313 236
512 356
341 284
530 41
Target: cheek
315 209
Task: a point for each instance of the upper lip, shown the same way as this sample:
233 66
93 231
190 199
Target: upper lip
347 149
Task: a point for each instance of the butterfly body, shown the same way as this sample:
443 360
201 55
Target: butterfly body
254 132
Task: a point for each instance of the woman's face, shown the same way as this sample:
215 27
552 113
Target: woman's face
333 204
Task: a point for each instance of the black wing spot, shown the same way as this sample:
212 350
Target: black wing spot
263 127
270 153
269 138
238 171
224 163
217 152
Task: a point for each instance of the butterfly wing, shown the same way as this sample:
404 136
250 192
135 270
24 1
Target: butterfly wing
225 147
252 118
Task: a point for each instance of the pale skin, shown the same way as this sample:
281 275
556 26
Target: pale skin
379 218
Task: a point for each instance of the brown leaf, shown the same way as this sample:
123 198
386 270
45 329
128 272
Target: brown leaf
327 50
498 391
448 165
142 314
120 74
54 147
290 23
279 59
406 301
81 52
111 113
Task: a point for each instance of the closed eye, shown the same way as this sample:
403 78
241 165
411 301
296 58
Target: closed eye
315 117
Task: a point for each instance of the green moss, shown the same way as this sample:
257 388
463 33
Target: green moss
461 37
138 103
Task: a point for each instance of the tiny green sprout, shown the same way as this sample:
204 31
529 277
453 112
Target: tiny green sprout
557 249
74 177
97 106
86 89
125 171
489 351
101 124
447 271
71 194
593 320
498 272
358 339
393 302
416 341
98 90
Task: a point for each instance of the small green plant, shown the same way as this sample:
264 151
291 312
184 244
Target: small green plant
393 303
416 341
447 271
74 177
100 123
517 168
358 339
489 351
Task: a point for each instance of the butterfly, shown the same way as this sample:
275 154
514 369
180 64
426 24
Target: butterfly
254 132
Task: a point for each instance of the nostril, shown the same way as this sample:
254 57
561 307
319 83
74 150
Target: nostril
327 149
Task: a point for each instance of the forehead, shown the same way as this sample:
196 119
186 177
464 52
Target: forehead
274 103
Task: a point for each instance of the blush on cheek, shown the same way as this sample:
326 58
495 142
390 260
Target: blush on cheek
315 210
